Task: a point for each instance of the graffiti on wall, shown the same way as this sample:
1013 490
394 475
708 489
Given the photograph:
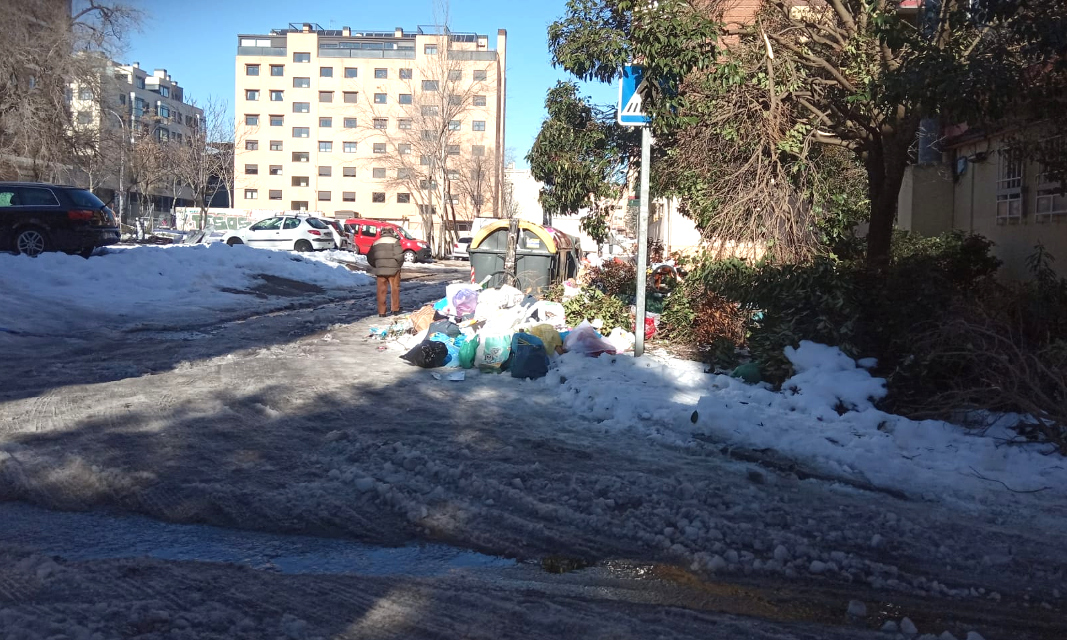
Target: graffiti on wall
188 218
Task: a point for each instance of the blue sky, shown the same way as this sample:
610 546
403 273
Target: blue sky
196 41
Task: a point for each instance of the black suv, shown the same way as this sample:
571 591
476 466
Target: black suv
37 217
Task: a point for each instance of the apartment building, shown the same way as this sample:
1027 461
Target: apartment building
386 125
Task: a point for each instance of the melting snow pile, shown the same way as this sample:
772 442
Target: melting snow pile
166 284
823 418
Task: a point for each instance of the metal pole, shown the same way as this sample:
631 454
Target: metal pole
642 241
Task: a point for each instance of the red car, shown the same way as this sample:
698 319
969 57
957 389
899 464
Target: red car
367 231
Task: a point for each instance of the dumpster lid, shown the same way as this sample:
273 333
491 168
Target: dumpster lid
543 234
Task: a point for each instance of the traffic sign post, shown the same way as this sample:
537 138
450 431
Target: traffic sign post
632 114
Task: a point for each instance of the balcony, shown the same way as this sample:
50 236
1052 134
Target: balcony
261 51
488 56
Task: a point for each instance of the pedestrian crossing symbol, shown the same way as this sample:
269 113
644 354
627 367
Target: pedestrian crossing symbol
631 89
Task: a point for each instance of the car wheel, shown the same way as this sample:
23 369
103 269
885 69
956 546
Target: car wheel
409 257
234 241
303 245
31 241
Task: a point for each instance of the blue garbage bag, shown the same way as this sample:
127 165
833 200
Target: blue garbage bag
453 349
528 356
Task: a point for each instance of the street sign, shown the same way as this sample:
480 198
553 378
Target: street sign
631 88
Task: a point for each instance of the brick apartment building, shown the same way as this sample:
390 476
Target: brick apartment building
347 122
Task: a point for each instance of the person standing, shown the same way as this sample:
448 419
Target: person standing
386 256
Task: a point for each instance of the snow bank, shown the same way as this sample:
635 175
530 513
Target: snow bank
173 284
823 418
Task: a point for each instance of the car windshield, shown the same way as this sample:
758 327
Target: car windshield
83 198
404 232
315 223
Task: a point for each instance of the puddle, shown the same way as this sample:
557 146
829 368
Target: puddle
98 535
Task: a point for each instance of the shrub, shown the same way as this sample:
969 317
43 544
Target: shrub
592 304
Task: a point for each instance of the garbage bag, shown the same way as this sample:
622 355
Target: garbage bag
549 336
427 354
503 298
549 312
528 356
468 352
622 340
585 340
493 352
453 350
650 327
422 318
446 327
465 302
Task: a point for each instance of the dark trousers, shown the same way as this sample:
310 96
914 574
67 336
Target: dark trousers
392 283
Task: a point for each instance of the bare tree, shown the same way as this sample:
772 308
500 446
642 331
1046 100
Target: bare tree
48 47
147 168
201 164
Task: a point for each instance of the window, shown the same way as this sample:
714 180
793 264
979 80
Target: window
325 147
350 123
251 69
453 174
324 196
452 149
1050 199
403 173
277 121
368 231
348 196
455 101
454 125
478 125
85 117
251 169
298 205
479 75
377 197
403 198
301 107
1009 185
163 111
274 194
301 57
348 147
380 98
430 49
270 224
381 123
85 94
381 74
139 81
455 74
429 111
348 172
326 96
404 98
325 122
301 83
351 97
427 184
275 170
424 161
429 85
275 145
122 98
252 94
301 156
277 69
251 145
301 132
378 173
379 147
404 123
404 148
251 194
277 96
325 72
351 72
300 181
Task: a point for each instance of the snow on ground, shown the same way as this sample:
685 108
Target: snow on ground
824 418
58 293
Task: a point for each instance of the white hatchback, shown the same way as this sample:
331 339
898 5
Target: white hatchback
299 233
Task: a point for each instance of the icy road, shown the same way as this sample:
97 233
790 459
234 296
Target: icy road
280 476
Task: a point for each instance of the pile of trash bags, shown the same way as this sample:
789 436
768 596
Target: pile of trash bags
496 330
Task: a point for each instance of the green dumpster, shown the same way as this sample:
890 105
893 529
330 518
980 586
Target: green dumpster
543 256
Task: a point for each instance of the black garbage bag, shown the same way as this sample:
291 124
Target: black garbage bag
427 354
446 327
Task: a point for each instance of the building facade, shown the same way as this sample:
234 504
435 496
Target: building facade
399 125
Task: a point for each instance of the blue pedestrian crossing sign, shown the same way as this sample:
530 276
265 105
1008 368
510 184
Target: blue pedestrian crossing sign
631 89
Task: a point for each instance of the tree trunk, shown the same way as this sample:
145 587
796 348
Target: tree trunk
885 162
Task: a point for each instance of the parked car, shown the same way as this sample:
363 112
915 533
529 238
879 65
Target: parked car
300 233
37 217
341 237
415 250
460 249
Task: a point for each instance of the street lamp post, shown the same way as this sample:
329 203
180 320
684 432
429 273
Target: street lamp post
122 165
